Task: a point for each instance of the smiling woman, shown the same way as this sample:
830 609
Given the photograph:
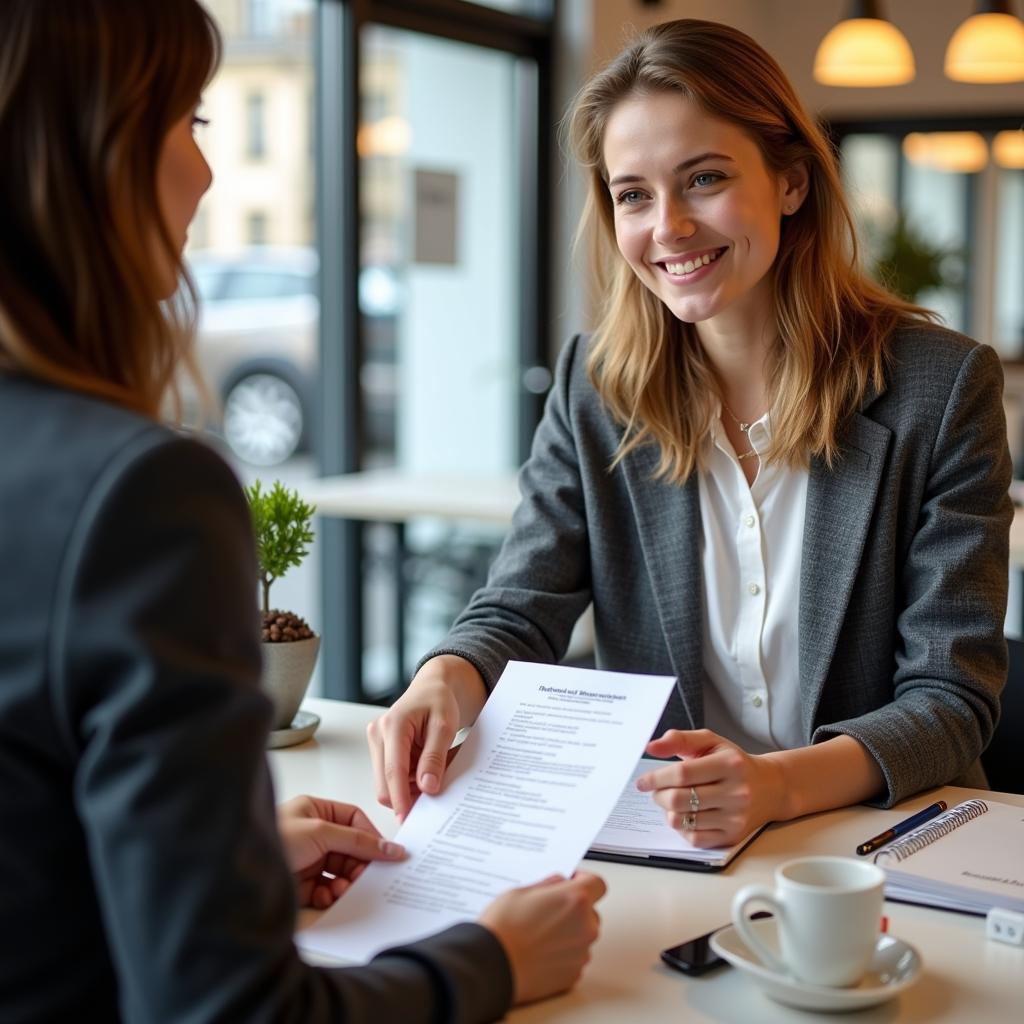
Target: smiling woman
772 478
700 233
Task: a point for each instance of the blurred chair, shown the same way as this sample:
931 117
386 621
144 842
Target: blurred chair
1003 759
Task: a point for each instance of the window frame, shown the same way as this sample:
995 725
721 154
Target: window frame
338 443
977 321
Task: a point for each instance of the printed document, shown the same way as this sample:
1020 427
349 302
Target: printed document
524 797
637 832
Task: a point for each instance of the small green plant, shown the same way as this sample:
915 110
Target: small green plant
910 264
281 522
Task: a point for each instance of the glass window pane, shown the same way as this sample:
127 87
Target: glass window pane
439 297
870 165
252 253
935 205
1009 298
438 286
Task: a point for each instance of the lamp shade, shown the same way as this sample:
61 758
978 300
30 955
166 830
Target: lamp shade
864 52
987 47
953 152
1008 149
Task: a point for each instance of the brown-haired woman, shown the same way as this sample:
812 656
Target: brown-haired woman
141 872
772 478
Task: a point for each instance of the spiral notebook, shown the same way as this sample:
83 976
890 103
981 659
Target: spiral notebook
970 858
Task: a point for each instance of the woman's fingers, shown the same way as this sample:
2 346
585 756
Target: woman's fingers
714 831
345 841
684 743
375 742
361 844
434 756
718 766
718 796
398 740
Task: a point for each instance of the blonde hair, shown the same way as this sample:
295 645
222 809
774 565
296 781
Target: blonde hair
833 321
89 90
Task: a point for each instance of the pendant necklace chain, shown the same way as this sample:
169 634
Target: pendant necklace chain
744 429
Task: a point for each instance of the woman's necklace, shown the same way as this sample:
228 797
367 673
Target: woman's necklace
744 429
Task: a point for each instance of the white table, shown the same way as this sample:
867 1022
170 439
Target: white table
395 497
968 979
392 496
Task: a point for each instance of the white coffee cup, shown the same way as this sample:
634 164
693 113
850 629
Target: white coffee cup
827 911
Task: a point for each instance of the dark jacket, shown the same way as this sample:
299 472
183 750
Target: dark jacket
141 874
903 579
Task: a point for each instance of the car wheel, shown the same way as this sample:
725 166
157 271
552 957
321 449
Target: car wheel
263 419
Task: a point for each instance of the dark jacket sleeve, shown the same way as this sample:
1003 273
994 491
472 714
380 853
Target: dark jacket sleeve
155 661
951 651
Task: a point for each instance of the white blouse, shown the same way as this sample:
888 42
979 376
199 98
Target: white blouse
751 552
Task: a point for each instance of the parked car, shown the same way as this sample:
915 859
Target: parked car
257 347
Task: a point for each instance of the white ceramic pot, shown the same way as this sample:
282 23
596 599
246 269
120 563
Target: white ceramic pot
287 668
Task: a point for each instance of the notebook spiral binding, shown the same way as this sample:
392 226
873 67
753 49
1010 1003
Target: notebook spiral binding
927 834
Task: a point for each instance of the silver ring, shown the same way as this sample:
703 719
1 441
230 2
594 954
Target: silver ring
690 821
694 801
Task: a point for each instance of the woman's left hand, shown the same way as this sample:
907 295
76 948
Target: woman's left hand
734 792
327 845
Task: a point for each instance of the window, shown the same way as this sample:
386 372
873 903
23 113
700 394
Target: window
263 16
256 228
253 255
1009 275
440 252
255 128
935 192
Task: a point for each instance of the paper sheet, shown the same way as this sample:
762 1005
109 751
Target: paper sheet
637 827
523 799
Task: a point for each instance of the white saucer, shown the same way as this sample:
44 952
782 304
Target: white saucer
304 724
895 966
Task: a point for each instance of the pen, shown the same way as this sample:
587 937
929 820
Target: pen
901 828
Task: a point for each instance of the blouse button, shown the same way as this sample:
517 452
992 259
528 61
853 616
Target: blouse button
754 589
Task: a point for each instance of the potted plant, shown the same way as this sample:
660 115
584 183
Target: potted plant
281 523
909 264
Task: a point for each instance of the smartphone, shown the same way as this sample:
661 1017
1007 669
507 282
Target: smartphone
697 956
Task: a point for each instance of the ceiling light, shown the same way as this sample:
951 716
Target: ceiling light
1008 149
988 46
953 152
864 50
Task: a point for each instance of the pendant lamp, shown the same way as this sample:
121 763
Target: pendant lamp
988 46
1008 149
864 50
952 152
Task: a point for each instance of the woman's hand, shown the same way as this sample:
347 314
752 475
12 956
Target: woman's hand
736 792
546 930
327 845
409 743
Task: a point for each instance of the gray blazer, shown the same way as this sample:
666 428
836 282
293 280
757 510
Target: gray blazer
141 874
903 582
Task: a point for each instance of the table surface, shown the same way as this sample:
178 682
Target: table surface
396 497
393 496
967 978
